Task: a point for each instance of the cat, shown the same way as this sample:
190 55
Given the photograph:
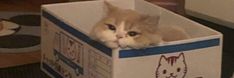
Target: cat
125 28
172 67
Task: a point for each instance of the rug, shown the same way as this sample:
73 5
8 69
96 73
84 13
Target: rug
20 32
23 71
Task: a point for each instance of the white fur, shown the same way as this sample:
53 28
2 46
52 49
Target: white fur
112 44
124 42
120 30
109 37
106 36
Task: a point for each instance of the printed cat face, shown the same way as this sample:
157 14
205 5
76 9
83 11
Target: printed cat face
172 67
126 28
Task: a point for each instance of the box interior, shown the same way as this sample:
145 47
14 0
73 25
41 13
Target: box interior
83 15
216 11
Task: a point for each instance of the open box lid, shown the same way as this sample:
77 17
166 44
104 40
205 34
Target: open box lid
83 15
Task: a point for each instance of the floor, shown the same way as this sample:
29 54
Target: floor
23 71
14 59
19 59
9 60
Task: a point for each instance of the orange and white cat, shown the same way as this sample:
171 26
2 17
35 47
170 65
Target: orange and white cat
125 28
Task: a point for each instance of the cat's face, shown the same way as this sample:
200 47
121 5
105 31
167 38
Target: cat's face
172 67
126 28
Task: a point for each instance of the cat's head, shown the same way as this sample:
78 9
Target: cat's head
126 28
172 67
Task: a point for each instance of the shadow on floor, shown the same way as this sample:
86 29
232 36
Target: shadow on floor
23 71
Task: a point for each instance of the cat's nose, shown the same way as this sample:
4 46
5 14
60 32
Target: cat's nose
171 74
119 36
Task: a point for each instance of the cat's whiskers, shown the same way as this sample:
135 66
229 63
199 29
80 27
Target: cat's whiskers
118 43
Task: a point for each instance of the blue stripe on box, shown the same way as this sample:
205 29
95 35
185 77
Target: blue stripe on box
77 33
51 71
169 49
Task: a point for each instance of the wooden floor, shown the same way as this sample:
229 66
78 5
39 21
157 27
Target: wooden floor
11 59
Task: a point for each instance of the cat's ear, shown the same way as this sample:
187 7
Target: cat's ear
109 8
162 60
151 20
181 57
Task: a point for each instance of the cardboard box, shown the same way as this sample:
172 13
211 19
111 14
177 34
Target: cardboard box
67 51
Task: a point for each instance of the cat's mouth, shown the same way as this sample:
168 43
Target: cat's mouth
171 76
117 43
120 45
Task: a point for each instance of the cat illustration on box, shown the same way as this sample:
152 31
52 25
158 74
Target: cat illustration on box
127 28
172 67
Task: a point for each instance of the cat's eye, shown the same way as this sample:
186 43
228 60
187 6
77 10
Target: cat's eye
132 33
178 69
111 27
164 71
